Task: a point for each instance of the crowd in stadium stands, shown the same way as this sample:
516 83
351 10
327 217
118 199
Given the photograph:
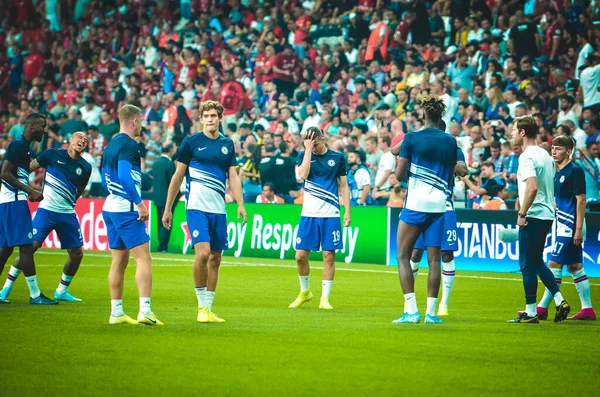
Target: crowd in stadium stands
355 69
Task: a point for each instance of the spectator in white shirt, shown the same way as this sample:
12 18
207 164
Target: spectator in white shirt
566 111
286 115
387 165
91 112
313 119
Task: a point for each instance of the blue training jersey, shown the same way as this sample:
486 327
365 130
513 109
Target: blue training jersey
208 162
321 190
568 183
63 176
17 153
122 174
432 155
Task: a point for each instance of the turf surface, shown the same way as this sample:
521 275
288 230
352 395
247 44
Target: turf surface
266 349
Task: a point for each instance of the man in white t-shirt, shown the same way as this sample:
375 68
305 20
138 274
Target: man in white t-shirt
387 165
535 178
589 79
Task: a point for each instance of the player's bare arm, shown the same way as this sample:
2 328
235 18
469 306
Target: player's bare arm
34 165
236 190
304 168
401 168
580 211
343 184
173 192
7 174
396 148
531 189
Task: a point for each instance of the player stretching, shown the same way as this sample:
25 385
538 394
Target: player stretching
67 174
324 174
430 168
536 191
206 159
125 215
569 193
16 228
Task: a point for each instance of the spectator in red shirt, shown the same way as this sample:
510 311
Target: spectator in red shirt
287 70
260 72
233 98
105 66
553 35
34 63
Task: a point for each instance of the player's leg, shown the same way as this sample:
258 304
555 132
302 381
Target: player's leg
448 275
71 239
527 245
307 240
330 230
556 267
582 284
5 253
116 277
218 243
14 273
27 265
200 271
416 256
408 232
432 237
542 227
449 245
143 279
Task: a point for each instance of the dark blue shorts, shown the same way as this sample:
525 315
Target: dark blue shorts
449 239
430 224
565 252
315 234
124 230
206 227
66 226
16 228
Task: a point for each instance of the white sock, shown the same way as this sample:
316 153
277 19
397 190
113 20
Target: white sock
582 283
547 298
431 305
63 286
410 303
304 283
145 306
558 298
448 272
12 277
327 284
34 290
116 307
209 299
201 295
531 310
415 269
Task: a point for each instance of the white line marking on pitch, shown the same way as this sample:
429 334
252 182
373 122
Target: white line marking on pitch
249 264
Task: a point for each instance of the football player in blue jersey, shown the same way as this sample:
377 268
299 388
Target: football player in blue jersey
206 160
324 174
125 216
67 175
570 198
16 228
430 168
449 238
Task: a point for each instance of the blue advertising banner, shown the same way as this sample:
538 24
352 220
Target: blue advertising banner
480 248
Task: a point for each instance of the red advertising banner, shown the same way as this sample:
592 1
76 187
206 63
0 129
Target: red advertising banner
93 229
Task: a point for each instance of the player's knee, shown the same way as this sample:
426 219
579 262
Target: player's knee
416 256
202 257
574 268
76 255
447 256
329 257
302 256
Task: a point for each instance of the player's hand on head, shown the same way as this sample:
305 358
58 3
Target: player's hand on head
167 219
143 212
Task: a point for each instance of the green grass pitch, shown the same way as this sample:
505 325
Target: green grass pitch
265 349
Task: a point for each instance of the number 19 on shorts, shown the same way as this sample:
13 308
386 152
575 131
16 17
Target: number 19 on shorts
336 236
